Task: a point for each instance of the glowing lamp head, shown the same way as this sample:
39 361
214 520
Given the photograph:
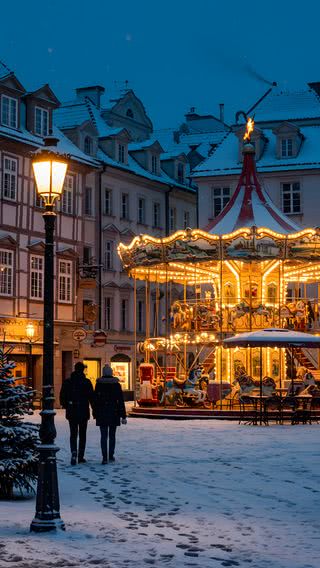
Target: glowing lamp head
30 330
49 170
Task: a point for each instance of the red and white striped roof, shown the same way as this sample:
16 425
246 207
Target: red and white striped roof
250 205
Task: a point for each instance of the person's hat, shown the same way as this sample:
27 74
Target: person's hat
80 367
107 371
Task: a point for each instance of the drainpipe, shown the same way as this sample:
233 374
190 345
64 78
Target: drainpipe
100 201
167 210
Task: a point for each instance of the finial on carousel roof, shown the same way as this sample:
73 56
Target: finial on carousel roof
248 148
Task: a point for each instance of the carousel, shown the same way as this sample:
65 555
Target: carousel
252 268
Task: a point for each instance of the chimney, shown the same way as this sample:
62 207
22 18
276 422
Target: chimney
94 93
221 107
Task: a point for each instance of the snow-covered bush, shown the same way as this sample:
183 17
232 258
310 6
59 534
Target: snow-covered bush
18 439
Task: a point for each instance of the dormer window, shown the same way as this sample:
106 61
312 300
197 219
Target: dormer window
180 172
9 111
88 145
129 113
286 148
41 126
154 164
121 153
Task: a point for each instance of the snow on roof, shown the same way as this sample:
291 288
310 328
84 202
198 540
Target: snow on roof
285 105
77 112
134 167
250 205
225 159
4 70
203 142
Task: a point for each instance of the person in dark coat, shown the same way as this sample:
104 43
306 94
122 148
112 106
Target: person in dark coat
109 409
75 396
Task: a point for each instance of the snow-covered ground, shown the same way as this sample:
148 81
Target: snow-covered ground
202 494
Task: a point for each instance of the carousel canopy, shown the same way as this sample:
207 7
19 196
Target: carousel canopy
273 338
250 205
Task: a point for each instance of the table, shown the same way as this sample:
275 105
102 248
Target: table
260 400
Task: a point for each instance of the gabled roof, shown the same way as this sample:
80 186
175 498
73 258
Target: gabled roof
46 93
150 144
4 70
285 105
250 205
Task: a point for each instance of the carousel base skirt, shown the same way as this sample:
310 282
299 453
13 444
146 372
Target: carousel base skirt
172 413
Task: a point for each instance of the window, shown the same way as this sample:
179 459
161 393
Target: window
108 255
88 145
129 113
9 111
108 312
125 206
173 219
286 148
291 199
10 176
36 277
121 153
124 314
65 281
141 210
140 315
221 196
67 196
108 202
154 164
180 173
41 126
87 255
272 293
88 201
156 215
6 272
186 219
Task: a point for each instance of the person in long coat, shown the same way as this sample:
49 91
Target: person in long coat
109 410
75 396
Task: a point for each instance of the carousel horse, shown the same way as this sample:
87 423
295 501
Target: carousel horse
178 390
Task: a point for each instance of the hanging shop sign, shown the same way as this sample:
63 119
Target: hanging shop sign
79 334
99 338
76 353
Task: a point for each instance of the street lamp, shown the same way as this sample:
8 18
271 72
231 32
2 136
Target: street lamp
49 169
30 335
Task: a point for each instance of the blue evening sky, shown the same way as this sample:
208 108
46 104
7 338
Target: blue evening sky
174 53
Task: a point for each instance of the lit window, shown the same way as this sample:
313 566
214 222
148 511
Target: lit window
173 219
121 153
88 201
65 281
67 195
36 277
88 145
108 202
10 177
41 121
181 173
154 164
156 215
124 314
125 206
141 210
286 148
108 255
9 111
291 197
221 196
108 313
6 272
186 219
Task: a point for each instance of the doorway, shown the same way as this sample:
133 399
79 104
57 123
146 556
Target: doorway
92 370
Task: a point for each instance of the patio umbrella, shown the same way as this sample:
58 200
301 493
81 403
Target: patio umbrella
273 337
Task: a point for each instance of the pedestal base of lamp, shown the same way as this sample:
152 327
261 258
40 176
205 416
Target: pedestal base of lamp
47 517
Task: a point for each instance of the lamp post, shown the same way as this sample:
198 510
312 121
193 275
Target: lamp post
49 171
30 335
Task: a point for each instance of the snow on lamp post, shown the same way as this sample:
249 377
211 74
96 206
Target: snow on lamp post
49 169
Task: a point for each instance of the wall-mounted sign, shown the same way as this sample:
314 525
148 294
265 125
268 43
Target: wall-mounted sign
76 353
121 348
99 337
79 334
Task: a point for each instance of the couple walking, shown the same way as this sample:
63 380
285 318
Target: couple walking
107 405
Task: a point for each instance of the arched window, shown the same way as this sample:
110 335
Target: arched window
272 293
129 113
88 145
